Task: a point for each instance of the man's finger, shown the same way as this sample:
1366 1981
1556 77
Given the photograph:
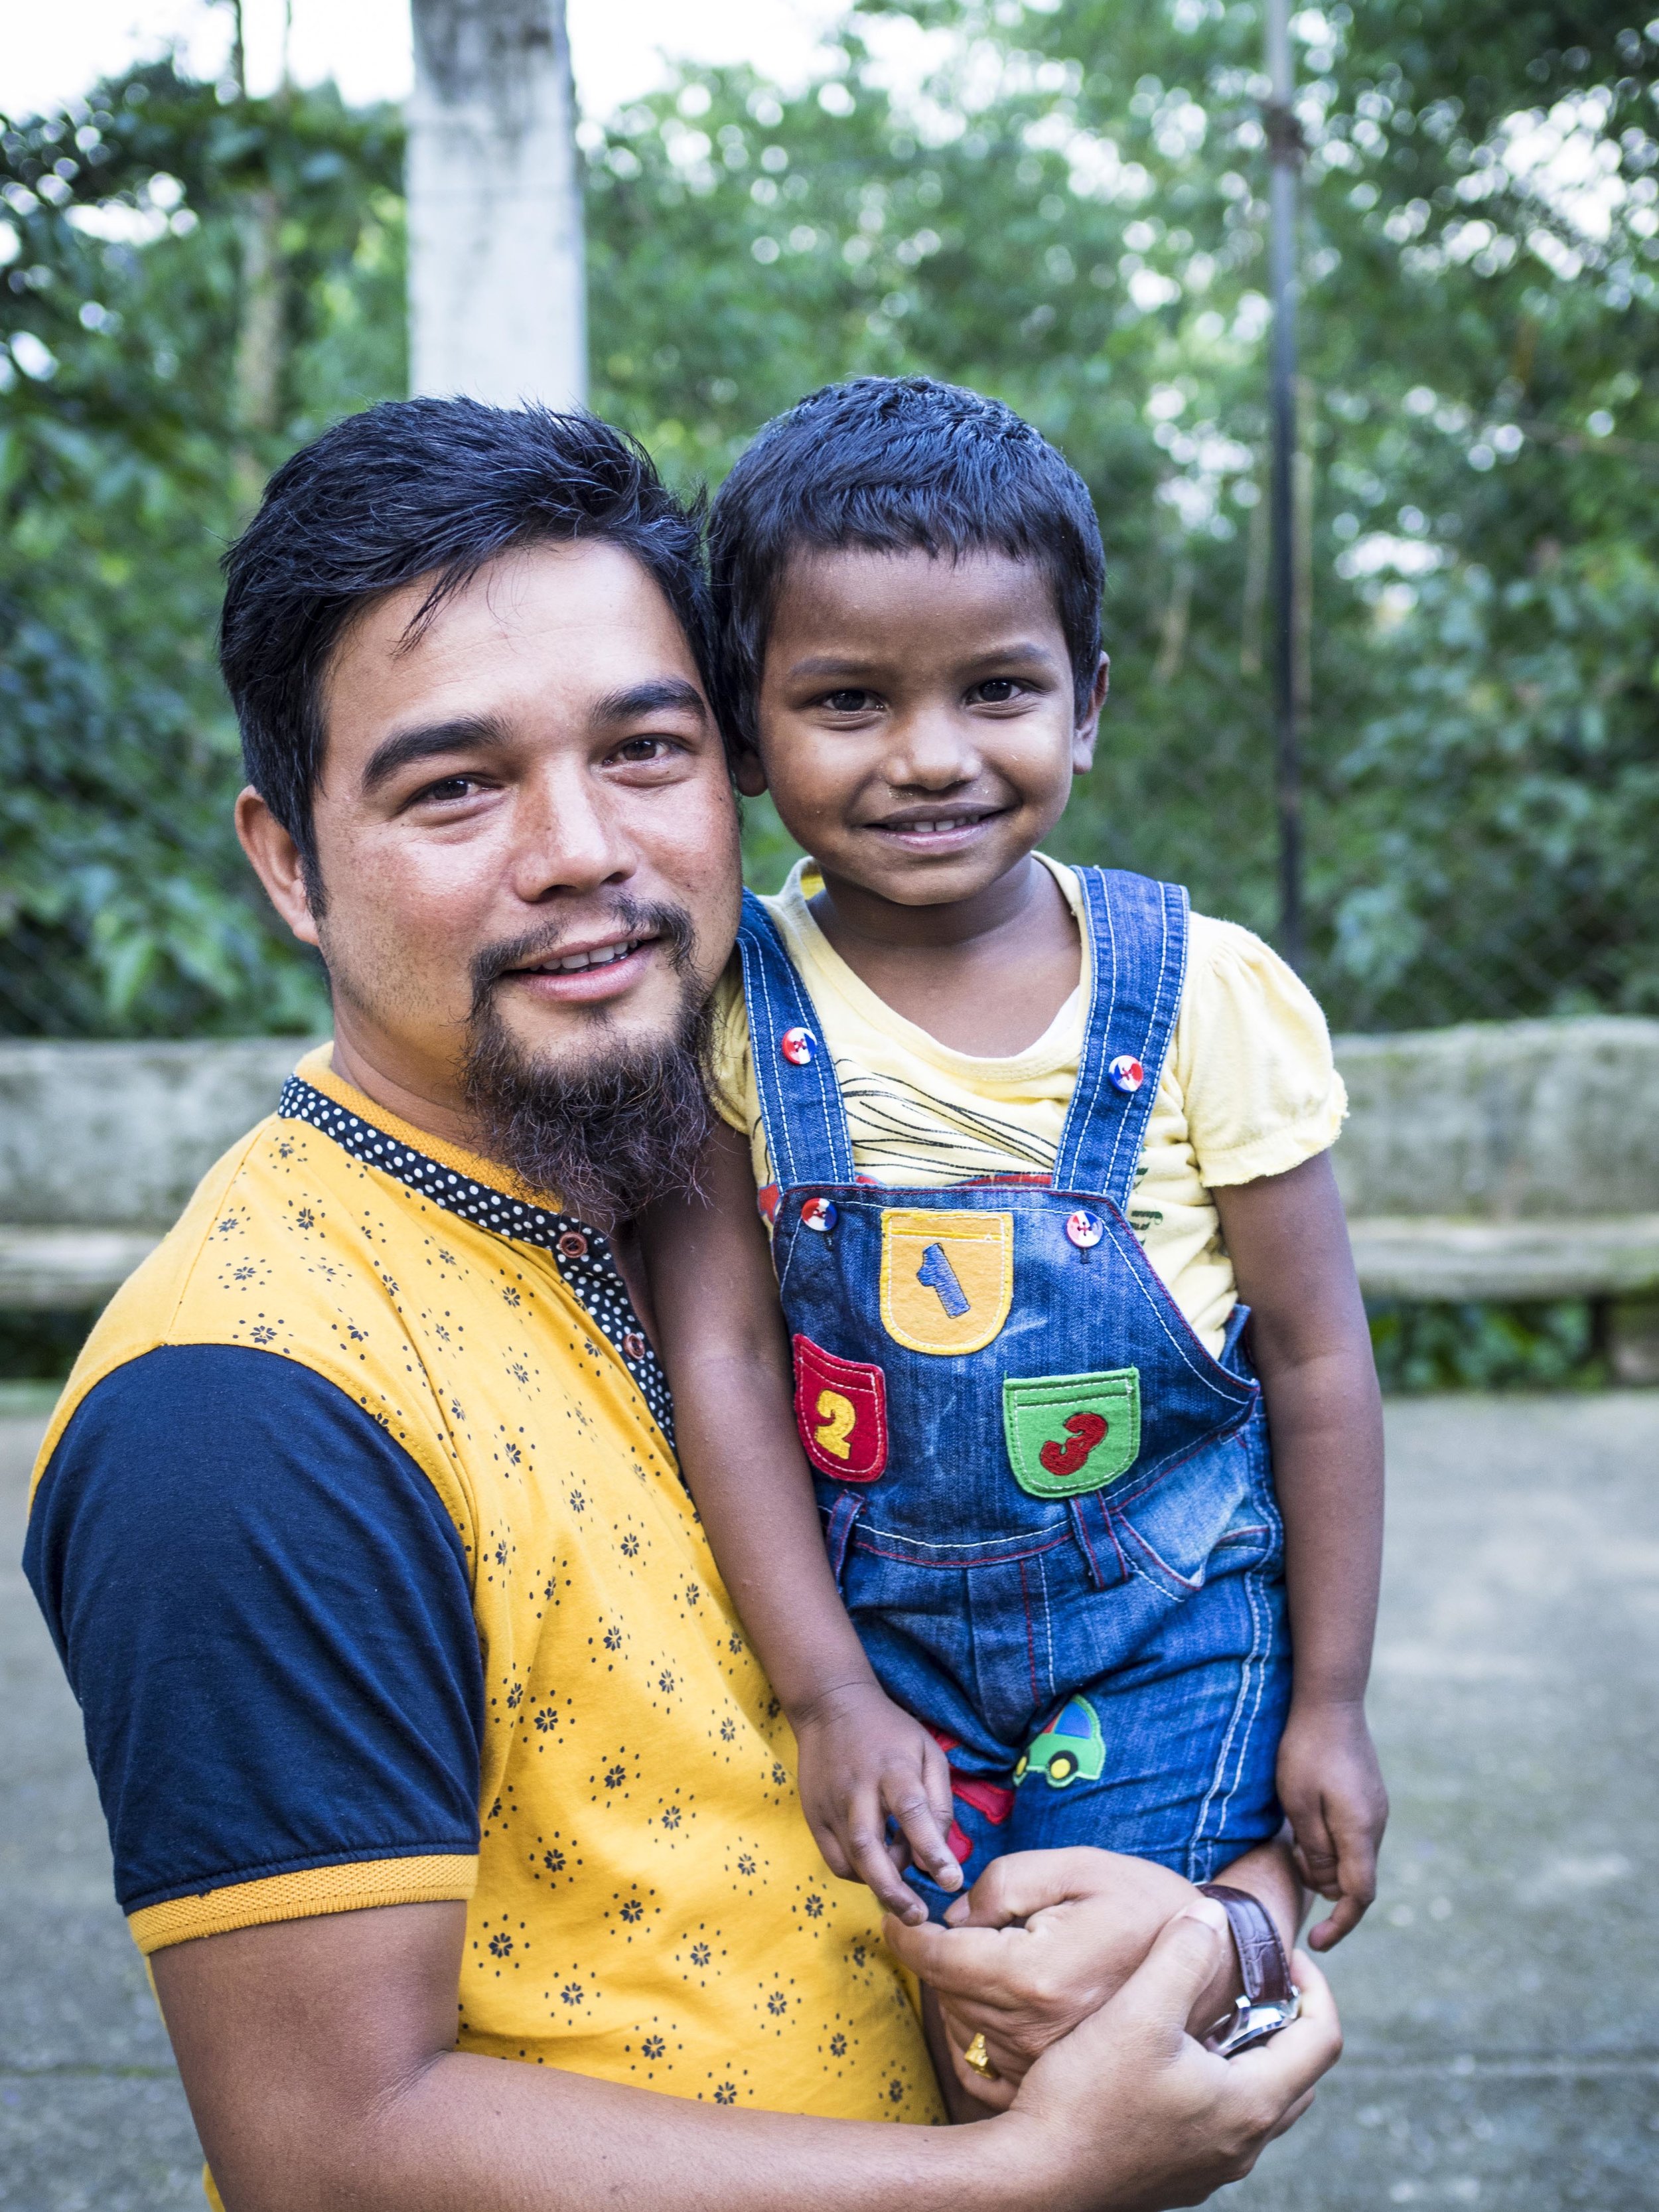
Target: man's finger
1285 2071
961 1962
1014 1887
1165 1987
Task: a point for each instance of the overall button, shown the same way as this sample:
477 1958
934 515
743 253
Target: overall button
797 1047
818 1213
1084 1229
1126 1072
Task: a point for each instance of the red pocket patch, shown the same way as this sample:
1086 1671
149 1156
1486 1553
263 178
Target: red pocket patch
841 1410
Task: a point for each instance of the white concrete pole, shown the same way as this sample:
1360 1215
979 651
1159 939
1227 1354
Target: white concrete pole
497 283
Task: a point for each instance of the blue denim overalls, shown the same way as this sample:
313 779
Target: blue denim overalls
1049 1511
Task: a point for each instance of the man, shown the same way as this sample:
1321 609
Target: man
407 1678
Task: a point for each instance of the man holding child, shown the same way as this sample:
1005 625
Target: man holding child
410 1679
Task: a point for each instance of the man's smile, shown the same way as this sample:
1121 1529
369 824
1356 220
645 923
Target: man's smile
582 974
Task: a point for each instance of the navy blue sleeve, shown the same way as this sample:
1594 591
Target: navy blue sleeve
264 1610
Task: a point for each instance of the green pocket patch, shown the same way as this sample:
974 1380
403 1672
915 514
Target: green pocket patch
1069 1433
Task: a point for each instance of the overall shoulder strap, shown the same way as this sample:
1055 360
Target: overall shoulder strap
1138 936
800 1103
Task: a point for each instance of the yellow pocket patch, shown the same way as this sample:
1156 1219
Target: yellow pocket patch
947 1280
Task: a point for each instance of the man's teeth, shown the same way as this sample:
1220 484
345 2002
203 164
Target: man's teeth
601 959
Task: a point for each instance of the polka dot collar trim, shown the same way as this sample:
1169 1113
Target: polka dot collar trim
583 1255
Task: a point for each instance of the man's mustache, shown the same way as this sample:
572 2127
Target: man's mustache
671 926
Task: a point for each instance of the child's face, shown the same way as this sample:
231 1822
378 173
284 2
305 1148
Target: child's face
918 730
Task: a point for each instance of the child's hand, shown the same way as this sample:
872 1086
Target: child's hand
1331 1788
863 1760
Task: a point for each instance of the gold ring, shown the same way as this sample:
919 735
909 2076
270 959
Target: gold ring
979 2058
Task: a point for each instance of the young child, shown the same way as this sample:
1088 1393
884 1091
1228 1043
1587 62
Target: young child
1043 1158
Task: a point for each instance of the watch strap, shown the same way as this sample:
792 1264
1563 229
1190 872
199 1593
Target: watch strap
1261 1959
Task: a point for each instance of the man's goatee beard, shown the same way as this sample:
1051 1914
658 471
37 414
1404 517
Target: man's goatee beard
604 1139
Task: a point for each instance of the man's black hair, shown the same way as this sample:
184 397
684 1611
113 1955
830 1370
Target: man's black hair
895 464
420 488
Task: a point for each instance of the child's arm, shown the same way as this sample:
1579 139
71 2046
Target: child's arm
862 1758
1309 1339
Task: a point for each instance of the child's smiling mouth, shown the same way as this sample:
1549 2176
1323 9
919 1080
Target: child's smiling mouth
935 829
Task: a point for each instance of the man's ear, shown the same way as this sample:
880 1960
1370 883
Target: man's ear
747 774
1088 727
275 858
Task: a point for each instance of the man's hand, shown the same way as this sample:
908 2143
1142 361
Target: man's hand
863 1761
1184 2122
1041 1941
1330 1787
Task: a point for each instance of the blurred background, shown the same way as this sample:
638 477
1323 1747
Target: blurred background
205 260
204 238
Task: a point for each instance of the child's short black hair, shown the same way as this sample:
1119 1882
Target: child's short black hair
420 488
896 464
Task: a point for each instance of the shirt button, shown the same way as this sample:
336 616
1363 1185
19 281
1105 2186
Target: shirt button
1126 1072
798 1046
634 1345
573 1245
1084 1229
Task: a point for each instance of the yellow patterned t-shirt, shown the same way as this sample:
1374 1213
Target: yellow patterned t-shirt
364 1542
1249 1089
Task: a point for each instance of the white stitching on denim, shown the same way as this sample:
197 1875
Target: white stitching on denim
1254 1659
986 1543
1198 1373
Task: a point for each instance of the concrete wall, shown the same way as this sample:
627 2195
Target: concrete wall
119 1135
1496 1122
1503 1121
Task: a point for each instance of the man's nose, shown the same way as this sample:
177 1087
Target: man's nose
568 837
932 749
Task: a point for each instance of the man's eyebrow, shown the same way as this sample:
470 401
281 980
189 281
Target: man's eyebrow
660 695
465 733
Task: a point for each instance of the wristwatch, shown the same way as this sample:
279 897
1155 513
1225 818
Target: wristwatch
1271 1999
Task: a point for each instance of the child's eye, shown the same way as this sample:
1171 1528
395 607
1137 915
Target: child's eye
849 702
997 691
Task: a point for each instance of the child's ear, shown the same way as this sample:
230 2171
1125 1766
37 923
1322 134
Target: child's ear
747 774
1088 728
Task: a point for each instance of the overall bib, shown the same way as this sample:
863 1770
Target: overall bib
1049 1510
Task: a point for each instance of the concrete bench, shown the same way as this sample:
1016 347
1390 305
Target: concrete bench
1503 1160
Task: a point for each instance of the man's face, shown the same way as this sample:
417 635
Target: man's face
523 816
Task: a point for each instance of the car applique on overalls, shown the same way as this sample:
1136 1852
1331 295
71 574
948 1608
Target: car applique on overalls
1070 1745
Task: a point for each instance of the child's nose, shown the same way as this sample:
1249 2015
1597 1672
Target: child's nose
934 749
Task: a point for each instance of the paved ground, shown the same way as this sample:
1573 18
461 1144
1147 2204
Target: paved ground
1502 2004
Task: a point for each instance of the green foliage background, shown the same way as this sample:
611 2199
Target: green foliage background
1069 215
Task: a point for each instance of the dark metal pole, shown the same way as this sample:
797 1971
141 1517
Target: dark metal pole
1285 159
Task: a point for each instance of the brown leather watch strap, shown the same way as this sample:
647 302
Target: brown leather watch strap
1261 1958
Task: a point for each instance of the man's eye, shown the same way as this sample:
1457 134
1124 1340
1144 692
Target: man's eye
634 750
452 787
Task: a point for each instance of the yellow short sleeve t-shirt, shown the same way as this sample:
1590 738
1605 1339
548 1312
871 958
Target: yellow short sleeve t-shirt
1249 1089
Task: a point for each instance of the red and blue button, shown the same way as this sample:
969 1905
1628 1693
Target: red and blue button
1125 1072
818 1213
797 1047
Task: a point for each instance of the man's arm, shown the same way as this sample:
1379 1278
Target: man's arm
1311 1345
318 2059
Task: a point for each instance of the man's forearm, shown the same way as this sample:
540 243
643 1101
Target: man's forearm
396 2122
